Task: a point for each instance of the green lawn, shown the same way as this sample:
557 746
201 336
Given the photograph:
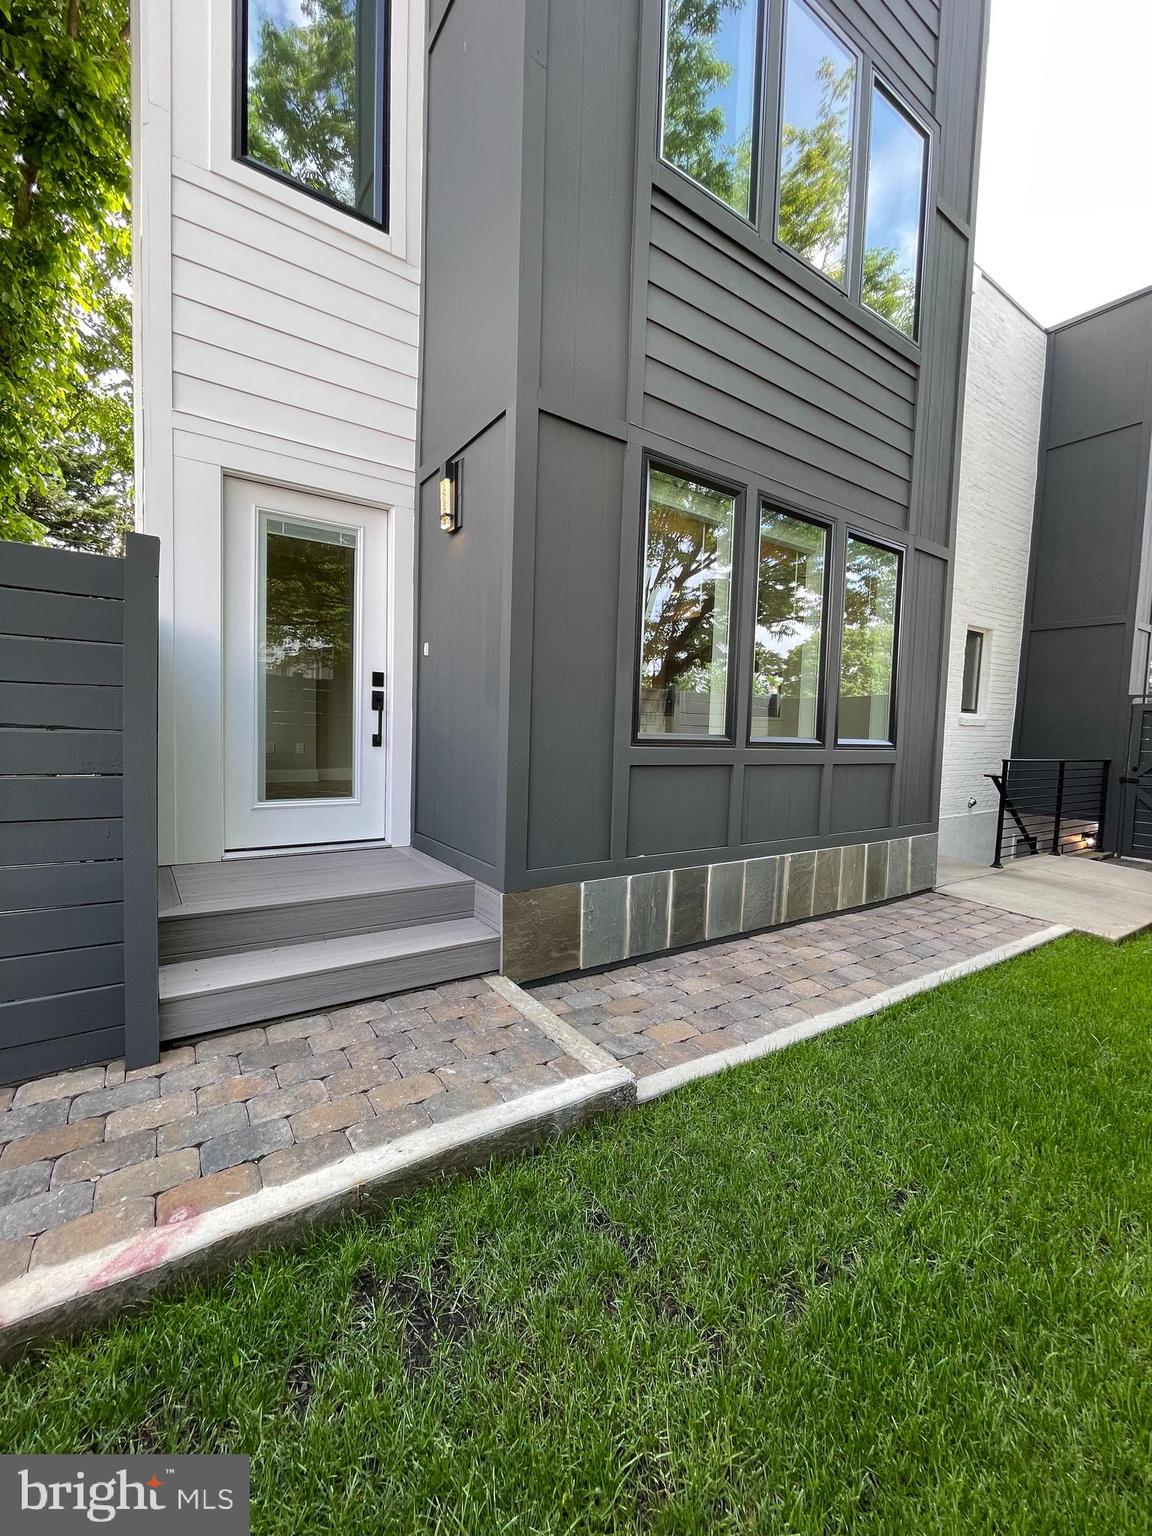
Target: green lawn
896 1279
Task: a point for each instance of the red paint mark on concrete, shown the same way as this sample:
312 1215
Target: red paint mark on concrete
145 1252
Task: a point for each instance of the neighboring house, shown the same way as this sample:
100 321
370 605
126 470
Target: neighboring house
637 637
1003 400
1052 599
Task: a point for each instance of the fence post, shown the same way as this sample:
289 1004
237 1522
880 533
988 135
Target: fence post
1059 807
1004 766
141 933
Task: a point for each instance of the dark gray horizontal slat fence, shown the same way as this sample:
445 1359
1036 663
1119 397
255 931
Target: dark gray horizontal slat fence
78 940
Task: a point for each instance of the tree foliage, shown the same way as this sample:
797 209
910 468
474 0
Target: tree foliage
694 122
65 414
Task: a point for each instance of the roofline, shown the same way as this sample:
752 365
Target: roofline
1101 309
987 277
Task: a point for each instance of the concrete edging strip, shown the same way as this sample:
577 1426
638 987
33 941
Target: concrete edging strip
60 1297
594 1057
660 1083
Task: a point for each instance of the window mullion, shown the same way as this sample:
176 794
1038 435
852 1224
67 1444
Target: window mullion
769 171
859 183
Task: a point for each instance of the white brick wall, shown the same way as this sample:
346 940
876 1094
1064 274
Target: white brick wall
1003 398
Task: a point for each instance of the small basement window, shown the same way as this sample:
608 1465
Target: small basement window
973 667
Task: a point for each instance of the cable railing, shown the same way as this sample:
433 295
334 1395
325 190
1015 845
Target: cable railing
1049 805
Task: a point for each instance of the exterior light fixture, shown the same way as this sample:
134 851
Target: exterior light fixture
451 496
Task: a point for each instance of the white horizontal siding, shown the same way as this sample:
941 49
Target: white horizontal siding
1003 398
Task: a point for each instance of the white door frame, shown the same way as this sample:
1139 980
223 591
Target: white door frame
363 817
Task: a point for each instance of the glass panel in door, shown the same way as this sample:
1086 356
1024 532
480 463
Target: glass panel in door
306 669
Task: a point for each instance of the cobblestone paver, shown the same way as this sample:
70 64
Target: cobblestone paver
95 1155
658 1013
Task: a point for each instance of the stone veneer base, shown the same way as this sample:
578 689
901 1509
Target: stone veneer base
581 926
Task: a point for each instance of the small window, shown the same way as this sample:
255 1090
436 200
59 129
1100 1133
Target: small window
897 157
789 628
818 111
710 91
868 649
311 97
973 664
687 603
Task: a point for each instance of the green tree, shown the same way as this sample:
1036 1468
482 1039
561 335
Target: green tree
694 122
302 94
64 187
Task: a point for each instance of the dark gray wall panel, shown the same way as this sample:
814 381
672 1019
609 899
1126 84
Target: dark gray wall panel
58 704
59 661
958 91
33 933
861 796
580 488
69 1013
59 842
677 808
1073 690
899 38
471 250
460 714
59 885
59 617
588 177
922 658
60 799
42 569
1088 535
781 802
72 970
945 308
32 751
1100 372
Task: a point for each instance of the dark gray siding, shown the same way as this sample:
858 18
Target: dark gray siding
645 325
1087 628
77 808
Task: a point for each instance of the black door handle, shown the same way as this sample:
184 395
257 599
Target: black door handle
378 706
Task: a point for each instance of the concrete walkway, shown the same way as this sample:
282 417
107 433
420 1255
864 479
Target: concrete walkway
1097 896
114 1183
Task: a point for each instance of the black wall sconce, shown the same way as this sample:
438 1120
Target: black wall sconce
451 496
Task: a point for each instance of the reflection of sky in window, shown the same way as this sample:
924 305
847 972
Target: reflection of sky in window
735 44
281 13
809 44
895 175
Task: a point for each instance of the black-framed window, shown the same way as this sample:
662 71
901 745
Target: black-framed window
788 658
817 137
894 213
868 642
689 540
711 96
973 667
311 98
860 225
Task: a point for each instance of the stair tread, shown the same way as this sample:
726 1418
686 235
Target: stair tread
196 890
253 968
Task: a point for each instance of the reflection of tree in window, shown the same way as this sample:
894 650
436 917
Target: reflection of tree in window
709 94
687 581
789 614
816 144
311 94
870 589
896 154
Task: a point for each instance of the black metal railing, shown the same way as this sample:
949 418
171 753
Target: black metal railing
1049 805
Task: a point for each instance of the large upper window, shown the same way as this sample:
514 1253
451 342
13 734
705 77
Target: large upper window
817 117
868 646
311 97
687 601
860 225
789 628
897 152
710 69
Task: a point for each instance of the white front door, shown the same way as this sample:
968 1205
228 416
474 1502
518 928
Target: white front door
305 658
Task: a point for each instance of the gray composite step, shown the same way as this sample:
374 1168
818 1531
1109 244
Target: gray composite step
248 904
221 991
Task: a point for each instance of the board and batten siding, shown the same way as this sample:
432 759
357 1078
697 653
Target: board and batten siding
78 945
1004 397
276 341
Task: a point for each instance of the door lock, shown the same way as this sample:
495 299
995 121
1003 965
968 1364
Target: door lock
378 706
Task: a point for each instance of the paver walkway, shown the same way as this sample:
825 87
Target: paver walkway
660 1013
98 1157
